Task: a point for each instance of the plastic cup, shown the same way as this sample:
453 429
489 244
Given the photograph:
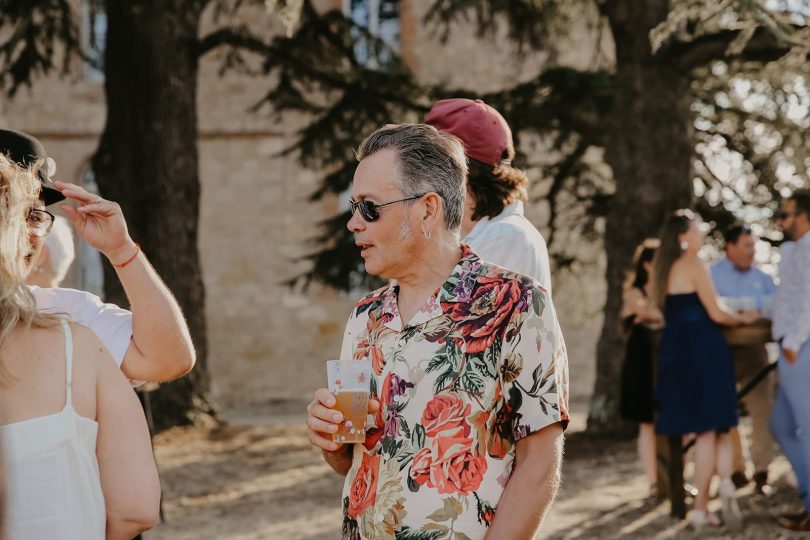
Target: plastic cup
350 382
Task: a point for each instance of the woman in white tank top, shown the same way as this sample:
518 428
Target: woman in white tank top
78 461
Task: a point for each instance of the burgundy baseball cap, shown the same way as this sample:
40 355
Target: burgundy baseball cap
483 130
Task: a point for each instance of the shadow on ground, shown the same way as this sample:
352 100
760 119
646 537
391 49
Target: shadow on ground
265 482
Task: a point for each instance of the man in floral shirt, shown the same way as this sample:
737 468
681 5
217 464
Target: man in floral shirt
470 368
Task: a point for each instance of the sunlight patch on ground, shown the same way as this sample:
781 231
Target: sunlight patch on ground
659 511
309 528
267 483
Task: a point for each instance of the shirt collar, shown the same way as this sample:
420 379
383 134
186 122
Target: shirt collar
513 209
457 288
732 267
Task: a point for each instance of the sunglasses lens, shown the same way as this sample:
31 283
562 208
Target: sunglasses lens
368 210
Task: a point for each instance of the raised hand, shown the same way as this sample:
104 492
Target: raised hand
98 222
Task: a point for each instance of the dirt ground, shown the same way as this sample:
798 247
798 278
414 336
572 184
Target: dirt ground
260 479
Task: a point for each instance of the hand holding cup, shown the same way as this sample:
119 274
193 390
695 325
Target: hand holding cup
323 420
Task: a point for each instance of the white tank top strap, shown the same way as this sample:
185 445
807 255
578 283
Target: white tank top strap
68 364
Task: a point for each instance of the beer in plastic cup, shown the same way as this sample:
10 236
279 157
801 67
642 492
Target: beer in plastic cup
350 382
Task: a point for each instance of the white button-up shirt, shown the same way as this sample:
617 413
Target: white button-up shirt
791 318
110 323
510 240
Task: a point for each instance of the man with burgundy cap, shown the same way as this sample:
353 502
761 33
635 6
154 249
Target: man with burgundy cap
150 343
494 224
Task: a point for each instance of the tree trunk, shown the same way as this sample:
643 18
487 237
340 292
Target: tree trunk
650 148
147 161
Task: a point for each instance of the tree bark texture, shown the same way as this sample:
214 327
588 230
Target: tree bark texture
650 148
147 161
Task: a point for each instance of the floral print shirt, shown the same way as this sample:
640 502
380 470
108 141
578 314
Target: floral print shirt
481 365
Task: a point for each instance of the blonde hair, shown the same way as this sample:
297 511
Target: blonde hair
19 189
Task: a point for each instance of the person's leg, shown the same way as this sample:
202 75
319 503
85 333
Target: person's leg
731 511
724 456
785 430
705 460
737 443
646 453
759 403
795 380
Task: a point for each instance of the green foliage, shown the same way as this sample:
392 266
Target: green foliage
315 71
31 33
533 24
569 109
750 142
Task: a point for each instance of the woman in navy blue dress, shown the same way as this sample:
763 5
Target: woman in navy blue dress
696 389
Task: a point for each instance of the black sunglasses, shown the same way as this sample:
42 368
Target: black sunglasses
370 211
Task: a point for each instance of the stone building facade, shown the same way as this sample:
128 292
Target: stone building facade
268 342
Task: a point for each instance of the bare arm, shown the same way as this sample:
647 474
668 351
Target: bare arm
708 295
638 305
129 477
161 347
532 486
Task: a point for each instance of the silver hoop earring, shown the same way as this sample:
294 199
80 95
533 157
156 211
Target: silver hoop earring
427 235
684 245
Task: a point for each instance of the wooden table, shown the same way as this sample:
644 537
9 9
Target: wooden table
758 333
670 448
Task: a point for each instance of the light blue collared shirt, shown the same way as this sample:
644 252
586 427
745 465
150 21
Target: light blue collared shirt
791 317
731 282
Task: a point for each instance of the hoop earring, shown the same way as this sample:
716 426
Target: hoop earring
684 245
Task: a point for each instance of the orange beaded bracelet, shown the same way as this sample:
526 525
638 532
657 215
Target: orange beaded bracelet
137 252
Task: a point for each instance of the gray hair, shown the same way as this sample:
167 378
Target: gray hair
61 251
427 160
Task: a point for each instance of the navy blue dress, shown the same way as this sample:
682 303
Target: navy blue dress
696 390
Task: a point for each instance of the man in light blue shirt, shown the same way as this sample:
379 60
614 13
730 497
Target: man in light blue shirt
735 276
790 422
746 287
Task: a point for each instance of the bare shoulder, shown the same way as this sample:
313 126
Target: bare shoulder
632 298
633 294
691 265
88 346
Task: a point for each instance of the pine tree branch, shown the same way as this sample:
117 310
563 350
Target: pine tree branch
238 37
31 32
763 47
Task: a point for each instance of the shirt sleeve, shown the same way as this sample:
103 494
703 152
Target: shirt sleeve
534 367
768 285
112 324
716 272
800 332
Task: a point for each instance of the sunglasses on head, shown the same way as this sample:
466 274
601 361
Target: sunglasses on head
370 211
